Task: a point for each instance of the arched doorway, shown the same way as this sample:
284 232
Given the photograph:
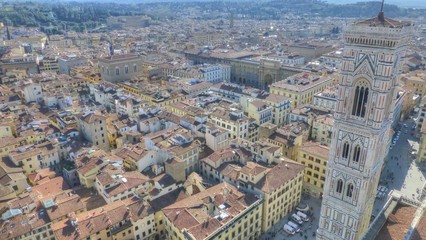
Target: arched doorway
267 81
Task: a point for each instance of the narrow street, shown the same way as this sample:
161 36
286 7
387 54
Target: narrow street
401 172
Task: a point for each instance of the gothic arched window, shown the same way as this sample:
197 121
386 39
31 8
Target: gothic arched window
360 99
357 153
339 186
349 190
345 152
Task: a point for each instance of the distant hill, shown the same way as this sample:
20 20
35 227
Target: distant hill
399 3
56 17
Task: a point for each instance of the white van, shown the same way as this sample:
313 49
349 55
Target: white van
296 218
303 216
294 226
289 229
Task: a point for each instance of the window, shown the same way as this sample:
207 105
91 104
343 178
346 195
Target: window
349 190
345 152
339 186
117 71
135 69
126 69
360 99
357 153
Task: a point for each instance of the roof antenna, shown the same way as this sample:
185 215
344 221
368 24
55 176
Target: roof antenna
381 15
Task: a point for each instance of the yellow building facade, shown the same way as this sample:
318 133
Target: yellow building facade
279 201
315 157
415 81
301 88
421 156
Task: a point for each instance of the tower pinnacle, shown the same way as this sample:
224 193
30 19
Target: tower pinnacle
381 15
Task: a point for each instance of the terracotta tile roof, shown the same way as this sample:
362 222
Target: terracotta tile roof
21 224
115 58
216 158
230 170
398 223
420 230
171 117
275 98
104 178
22 200
189 213
133 180
279 175
140 210
316 149
387 22
86 164
8 174
91 222
41 174
50 188
92 117
252 168
64 206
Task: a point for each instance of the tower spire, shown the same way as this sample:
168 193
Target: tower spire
8 33
381 15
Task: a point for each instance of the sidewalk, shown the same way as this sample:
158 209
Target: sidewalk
308 228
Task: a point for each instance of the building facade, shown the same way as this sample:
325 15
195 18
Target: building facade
118 68
93 129
301 88
365 105
315 157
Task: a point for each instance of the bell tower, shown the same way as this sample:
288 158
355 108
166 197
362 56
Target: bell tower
365 105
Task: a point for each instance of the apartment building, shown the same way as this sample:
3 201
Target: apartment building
118 220
301 88
415 81
93 128
260 111
219 212
216 138
69 61
322 127
280 107
27 157
326 99
233 121
315 157
280 185
113 187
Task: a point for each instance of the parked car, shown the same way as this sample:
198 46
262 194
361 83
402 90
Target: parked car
294 226
296 218
303 216
289 229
